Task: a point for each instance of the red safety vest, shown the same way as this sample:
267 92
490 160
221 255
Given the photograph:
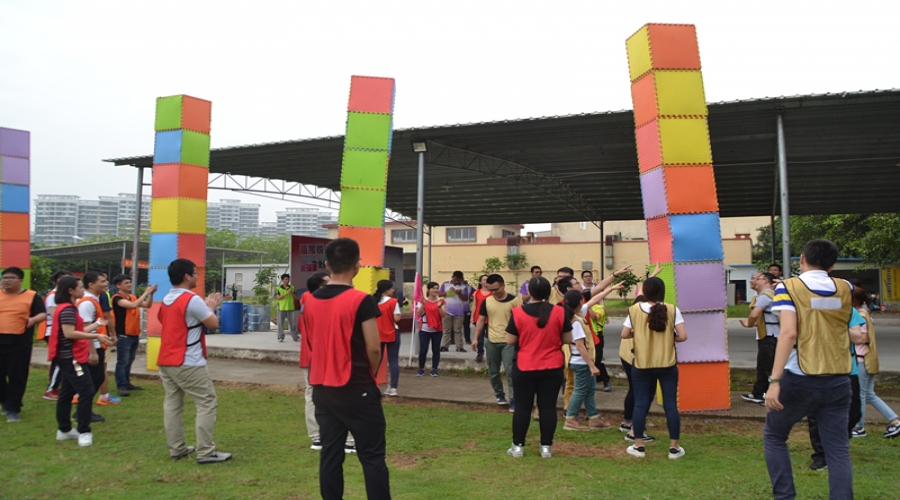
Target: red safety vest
80 347
433 314
301 326
386 329
539 348
132 316
480 295
329 326
590 325
174 343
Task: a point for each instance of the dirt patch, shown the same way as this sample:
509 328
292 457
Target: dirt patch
580 450
410 460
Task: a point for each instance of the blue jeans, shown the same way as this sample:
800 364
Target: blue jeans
126 350
393 359
644 382
867 395
433 338
827 399
585 386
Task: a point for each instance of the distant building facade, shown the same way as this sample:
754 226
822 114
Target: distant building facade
67 219
304 221
239 218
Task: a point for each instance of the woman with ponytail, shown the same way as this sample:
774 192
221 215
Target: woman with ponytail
431 314
538 331
387 329
655 327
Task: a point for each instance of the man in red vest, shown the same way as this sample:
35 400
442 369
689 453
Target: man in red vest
341 335
20 311
185 316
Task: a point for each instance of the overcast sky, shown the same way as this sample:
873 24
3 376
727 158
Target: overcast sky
83 76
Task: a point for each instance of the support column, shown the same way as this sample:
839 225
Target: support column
785 209
680 202
178 207
138 220
15 201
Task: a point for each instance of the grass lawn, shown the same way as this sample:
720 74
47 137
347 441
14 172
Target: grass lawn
435 451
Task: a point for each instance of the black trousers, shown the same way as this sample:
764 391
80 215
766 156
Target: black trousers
765 359
855 414
545 384
98 371
628 410
76 379
467 331
15 359
356 409
604 375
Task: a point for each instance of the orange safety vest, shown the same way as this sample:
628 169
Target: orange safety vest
98 312
132 316
14 312
174 343
386 329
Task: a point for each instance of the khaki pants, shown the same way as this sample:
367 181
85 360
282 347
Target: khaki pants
312 425
570 386
453 325
196 383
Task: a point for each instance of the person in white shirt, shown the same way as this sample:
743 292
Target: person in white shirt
52 391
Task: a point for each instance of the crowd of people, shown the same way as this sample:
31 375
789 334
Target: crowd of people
817 357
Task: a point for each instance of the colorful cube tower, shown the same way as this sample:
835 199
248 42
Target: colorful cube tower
367 152
15 178
680 203
178 207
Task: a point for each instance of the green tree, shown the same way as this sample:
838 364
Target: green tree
41 272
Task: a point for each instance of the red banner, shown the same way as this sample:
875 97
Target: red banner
142 264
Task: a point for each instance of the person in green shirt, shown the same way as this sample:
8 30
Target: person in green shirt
284 294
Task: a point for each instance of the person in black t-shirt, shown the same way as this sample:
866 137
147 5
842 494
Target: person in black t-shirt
21 311
345 394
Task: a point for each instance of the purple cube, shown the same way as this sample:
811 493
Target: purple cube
15 142
15 170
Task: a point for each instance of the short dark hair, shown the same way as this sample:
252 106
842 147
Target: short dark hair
15 270
64 287
342 254
493 279
769 277
821 254
587 271
59 274
178 268
564 283
567 270
283 276
316 281
432 284
775 264
120 278
536 267
458 274
91 277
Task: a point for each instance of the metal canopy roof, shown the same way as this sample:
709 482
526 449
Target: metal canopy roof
843 154
111 251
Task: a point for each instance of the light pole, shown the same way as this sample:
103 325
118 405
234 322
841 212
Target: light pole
420 146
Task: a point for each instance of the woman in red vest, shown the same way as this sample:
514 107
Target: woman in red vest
387 329
431 312
69 348
538 331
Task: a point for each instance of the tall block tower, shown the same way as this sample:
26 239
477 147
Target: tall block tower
367 152
680 203
178 206
15 179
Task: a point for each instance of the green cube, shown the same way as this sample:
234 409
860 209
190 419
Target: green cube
195 148
668 276
368 131
364 169
362 208
168 113
26 281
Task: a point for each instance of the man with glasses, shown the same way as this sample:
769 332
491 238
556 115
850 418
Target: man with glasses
497 309
767 328
20 311
523 290
564 272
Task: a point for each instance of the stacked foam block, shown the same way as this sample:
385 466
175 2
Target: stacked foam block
367 152
15 177
680 202
178 207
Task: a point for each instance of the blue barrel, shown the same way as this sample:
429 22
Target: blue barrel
232 317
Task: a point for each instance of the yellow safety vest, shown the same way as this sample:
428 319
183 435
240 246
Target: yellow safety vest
652 349
588 343
822 337
871 358
761 321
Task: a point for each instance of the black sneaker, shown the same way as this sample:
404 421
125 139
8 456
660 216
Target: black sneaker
818 465
316 445
132 387
749 397
892 431
95 419
445 349
349 448
623 427
123 391
479 358
647 439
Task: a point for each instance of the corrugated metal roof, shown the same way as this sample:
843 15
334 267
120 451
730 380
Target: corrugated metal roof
843 151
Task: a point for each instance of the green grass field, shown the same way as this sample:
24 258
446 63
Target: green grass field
435 451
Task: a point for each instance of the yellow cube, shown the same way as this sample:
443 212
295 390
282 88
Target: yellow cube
685 141
178 215
680 93
368 278
639 59
153 345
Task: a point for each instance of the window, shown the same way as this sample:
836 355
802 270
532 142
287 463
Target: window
460 234
403 236
238 276
507 234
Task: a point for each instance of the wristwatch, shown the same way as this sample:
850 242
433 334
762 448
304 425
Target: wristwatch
773 380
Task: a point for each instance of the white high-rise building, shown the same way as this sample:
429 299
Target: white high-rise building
239 218
304 221
69 219
55 219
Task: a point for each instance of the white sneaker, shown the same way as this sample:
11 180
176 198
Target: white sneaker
516 451
85 439
545 452
391 391
676 453
65 436
636 451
